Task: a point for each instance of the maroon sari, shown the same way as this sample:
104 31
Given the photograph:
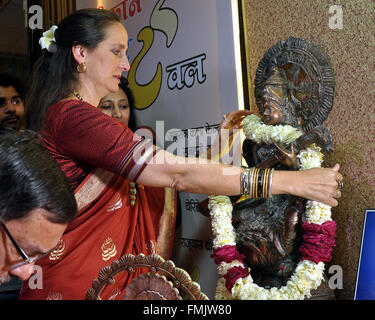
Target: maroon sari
99 155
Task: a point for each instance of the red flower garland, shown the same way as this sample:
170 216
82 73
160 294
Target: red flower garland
232 275
227 254
318 241
317 246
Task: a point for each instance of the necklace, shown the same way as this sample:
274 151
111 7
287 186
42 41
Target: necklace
132 193
77 95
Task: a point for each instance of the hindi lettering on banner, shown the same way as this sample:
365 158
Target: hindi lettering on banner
127 8
185 73
134 6
175 76
191 243
192 205
194 151
196 244
192 142
209 244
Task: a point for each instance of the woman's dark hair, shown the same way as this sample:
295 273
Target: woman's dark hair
30 179
55 74
124 86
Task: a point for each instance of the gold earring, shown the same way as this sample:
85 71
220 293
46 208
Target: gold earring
82 67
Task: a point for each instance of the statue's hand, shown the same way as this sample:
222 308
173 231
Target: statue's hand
319 135
286 157
324 138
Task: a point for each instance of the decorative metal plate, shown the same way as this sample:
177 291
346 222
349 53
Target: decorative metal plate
151 287
309 74
166 269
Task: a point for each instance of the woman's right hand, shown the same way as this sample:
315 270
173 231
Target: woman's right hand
233 119
318 184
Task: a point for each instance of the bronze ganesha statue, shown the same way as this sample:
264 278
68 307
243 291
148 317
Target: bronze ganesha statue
293 86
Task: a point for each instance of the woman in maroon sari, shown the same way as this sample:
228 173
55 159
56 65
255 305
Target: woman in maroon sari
162 202
83 64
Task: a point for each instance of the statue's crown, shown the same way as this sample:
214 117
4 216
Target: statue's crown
275 78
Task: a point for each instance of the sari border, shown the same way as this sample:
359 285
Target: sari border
133 164
92 187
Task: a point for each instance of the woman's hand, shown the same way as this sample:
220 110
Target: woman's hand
233 119
319 184
228 129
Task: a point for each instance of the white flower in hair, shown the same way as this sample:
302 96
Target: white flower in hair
48 40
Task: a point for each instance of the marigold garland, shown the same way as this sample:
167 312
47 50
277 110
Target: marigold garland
318 239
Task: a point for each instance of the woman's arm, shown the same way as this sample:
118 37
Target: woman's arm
199 175
203 176
104 143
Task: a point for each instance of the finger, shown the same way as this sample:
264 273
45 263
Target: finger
225 122
338 175
234 119
238 115
240 112
333 203
330 199
243 113
338 194
229 123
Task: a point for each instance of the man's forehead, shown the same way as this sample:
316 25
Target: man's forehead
35 232
8 91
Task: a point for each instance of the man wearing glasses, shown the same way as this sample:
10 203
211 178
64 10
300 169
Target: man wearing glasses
11 102
36 203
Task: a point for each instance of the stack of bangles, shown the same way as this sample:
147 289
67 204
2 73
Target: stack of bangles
256 182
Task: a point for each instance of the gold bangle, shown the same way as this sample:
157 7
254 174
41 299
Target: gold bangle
255 183
265 183
251 178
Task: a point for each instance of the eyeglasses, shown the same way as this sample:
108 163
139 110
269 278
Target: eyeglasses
25 257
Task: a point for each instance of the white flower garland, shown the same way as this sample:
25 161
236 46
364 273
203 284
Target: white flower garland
255 130
307 275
